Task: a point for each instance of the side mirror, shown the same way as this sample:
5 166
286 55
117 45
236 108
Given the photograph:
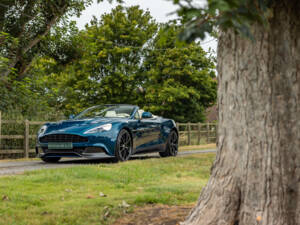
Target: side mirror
72 116
146 115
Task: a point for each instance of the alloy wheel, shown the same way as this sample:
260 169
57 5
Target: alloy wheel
124 146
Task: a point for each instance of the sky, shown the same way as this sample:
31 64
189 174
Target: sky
159 9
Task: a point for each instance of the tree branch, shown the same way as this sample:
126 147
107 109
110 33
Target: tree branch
34 42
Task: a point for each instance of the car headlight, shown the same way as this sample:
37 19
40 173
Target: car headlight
105 127
42 130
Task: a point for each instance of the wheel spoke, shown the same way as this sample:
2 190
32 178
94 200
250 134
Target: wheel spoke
123 139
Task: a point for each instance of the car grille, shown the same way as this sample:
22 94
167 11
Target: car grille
63 138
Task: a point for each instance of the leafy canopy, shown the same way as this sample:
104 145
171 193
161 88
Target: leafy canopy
27 23
236 14
179 78
124 52
111 55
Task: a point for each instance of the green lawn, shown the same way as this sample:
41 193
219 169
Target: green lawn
71 195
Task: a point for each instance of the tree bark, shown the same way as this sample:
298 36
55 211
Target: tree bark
255 178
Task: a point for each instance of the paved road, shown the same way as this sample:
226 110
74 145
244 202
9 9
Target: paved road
17 167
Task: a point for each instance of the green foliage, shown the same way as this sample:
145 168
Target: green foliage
122 53
24 27
179 78
61 44
29 22
114 52
225 14
109 62
22 99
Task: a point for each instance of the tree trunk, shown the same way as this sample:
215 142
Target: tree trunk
255 178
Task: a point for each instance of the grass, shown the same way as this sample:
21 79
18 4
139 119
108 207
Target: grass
71 195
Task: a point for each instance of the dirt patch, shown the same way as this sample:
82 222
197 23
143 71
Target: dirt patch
156 215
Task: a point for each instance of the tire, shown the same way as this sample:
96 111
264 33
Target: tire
172 145
124 146
51 159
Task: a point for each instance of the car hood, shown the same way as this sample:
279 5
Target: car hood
79 126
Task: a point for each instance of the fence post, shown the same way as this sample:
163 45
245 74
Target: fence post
199 133
177 125
26 139
189 133
207 133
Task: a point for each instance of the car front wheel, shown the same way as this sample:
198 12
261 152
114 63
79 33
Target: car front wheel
172 145
124 146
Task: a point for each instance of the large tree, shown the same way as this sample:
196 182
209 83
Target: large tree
24 24
29 31
121 54
28 22
255 178
107 70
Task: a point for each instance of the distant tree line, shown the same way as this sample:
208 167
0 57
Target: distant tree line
123 57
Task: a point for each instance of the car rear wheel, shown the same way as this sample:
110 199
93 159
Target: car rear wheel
172 145
124 146
51 159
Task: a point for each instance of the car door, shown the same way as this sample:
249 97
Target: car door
154 130
151 131
141 131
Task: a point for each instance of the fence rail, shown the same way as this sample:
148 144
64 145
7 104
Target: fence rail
24 150
189 134
197 133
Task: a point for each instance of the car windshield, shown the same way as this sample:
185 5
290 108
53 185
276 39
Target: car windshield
121 111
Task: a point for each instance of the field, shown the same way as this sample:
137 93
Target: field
101 193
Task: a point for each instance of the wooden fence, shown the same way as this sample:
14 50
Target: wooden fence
197 133
189 134
26 137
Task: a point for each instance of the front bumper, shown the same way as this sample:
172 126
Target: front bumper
91 146
76 152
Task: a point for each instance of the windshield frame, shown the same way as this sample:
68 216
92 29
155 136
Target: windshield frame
79 116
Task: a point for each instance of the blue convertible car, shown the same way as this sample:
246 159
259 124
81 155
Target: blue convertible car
114 130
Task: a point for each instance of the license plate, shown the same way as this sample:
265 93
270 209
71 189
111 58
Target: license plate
60 145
